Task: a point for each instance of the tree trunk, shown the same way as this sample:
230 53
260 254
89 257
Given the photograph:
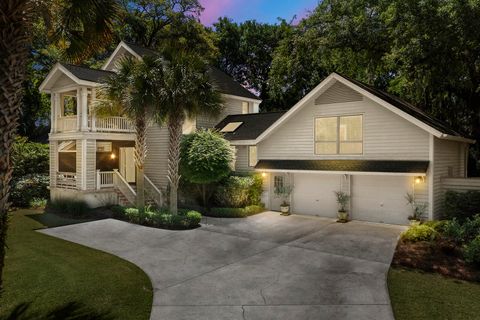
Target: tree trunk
175 125
14 39
204 195
140 155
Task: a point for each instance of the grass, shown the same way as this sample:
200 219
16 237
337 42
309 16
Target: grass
419 295
46 277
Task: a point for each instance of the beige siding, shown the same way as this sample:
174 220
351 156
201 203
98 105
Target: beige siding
53 163
338 93
91 164
461 184
232 106
385 134
449 160
156 162
241 161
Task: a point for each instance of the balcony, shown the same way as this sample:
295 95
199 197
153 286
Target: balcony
107 124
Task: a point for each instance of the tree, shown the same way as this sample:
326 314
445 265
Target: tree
183 91
82 26
206 158
246 52
130 92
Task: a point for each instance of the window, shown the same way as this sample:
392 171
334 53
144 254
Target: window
252 156
69 105
232 126
245 108
278 183
339 135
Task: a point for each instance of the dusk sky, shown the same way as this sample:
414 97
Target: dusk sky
260 10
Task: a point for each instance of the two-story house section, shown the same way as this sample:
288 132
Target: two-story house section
347 136
91 158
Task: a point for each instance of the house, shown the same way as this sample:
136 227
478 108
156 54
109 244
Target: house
342 136
347 136
91 158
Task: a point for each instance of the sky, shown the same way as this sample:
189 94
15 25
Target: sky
261 10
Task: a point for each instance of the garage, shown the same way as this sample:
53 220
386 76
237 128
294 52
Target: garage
313 194
380 198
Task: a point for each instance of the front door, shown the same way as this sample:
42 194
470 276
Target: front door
127 164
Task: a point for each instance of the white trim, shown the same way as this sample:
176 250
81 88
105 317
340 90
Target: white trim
114 54
59 68
455 138
91 135
231 96
431 157
243 142
327 83
359 173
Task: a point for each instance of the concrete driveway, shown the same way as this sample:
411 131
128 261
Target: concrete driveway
262 267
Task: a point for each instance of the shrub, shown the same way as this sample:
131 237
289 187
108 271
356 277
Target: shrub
236 212
462 232
437 225
27 188
461 205
185 219
472 251
38 203
239 191
29 158
420 232
72 207
193 218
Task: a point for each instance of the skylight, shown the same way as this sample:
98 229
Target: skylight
231 127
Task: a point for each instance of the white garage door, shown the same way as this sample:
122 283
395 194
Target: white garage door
313 194
380 198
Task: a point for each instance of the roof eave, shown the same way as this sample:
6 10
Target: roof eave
413 174
456 138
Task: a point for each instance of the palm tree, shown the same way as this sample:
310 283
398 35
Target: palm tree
81 26
129 92
183 91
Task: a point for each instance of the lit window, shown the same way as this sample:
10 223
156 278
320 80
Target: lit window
232 126
339 135
245 107
252 156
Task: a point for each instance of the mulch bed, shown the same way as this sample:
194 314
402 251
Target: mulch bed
440 257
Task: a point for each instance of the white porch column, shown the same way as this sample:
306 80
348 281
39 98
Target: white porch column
52 112
79 109
83 108
256 107
92 110
57 111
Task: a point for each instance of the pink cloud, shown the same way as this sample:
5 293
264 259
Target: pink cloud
214 9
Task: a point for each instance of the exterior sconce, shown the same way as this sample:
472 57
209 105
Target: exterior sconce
264 174
112 156
419 179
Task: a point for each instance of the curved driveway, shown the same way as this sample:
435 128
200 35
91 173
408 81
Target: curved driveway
263 267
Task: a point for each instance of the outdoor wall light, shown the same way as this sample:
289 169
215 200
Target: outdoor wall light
112 156
419 179
264 174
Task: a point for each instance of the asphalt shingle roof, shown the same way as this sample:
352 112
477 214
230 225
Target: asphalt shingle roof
253 124
407 107
87 74
390 166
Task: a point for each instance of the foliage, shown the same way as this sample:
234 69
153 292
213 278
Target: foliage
86 284
283 192
29 187
461 205
437 225
246 51
235 212
472 251
459 231
38 203
420 232
70 207
418 210
29 157
163 218
238 191
342 200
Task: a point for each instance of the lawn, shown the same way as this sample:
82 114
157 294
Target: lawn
55 279
419 295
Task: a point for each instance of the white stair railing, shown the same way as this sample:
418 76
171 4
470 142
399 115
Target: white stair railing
124 187
153 192
104 179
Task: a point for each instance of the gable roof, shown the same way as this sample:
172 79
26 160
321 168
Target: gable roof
386 166
225 83
87 74
390 102
253 124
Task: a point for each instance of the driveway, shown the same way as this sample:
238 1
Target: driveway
263 267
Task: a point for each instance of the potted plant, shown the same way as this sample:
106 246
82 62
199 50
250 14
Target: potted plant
342 200
284 193
418 210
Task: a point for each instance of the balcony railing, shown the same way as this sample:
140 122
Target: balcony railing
108 124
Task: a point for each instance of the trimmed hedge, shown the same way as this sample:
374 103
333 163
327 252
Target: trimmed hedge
185 219
461 205
235 212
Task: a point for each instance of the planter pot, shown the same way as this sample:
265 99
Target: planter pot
342 216
285 210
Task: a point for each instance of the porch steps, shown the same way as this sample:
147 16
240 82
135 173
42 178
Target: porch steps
123 201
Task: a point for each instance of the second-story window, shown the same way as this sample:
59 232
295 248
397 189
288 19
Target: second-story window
339 135
245 108
69 105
